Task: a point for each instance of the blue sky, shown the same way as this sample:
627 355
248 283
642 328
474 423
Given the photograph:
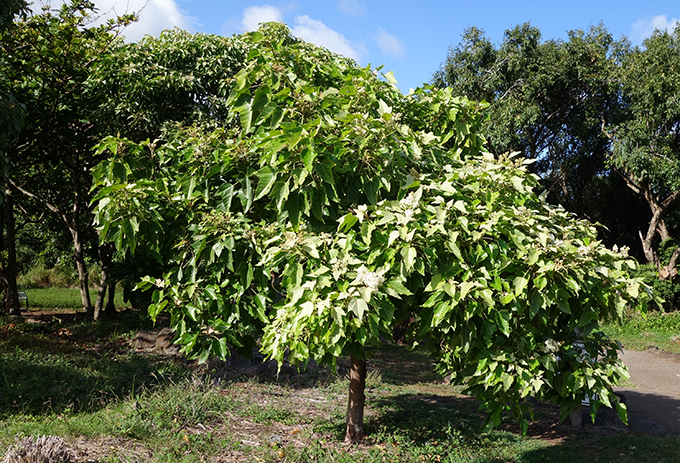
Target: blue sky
408 37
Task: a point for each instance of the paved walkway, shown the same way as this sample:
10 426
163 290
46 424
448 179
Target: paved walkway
654 400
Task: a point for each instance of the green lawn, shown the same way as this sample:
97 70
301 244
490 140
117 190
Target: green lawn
62 298
638 331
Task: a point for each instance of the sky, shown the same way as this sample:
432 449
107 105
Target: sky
410 38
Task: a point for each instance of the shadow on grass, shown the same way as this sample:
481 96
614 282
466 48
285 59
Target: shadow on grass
53 368
399 365
413 427
422 418
598 448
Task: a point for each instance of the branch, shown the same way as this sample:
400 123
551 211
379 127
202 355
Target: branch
50 206
670 200
628 181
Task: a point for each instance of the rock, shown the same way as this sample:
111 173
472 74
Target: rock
164 342
144 340
156 341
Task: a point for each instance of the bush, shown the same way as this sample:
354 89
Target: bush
62 275
41 277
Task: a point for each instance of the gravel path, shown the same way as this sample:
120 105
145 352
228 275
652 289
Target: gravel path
654 399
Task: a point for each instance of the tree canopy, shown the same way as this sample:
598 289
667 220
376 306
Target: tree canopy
48 63
548 99
327 207
646 142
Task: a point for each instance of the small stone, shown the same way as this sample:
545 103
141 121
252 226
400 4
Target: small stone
274 439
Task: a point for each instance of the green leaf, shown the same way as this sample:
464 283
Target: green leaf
563 301
371 189
390 78
384 110
409 254
520 285
266 177
465 287
537 303
503 321
440 312
517 183
325 171
358 307
308 156
293 207
338 314
398 286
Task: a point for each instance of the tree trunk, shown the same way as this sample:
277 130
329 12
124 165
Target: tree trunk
110 308
669 271
10 245
577 418
83 283
105 256
357 399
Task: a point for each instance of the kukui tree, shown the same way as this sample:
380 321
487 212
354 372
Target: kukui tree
330 207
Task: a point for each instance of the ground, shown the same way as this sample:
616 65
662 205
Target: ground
295 412
654 399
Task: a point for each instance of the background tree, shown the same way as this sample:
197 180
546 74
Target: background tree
49 58
343 205
81 82
177 77
548 100
646 143
12 114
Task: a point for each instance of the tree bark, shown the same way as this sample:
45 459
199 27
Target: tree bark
83 283
105 252
110 308
10 245
668 271
357 398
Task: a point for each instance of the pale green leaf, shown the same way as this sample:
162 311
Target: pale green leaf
358 307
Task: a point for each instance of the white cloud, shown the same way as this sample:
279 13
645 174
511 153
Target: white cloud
390 44
318 33
643 28
154 15
253 16
352 7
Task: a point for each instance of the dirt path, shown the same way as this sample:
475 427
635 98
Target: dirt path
653 399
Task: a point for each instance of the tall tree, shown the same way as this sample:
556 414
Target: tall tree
328 205
48 61
12 114
547 100
646 144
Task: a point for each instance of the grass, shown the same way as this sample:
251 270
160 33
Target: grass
638 331
60 298
79 380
